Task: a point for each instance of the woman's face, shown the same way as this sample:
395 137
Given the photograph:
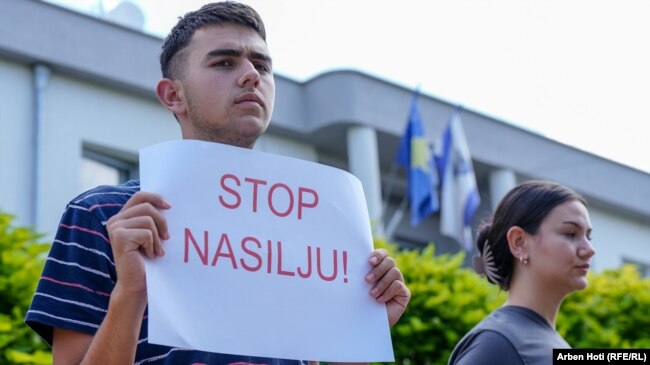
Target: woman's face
561 252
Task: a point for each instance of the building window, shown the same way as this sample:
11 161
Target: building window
102 169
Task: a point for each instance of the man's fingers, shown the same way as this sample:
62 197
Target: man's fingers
386 281
389 287
384 265
396 291
134 212
396 298
377 256
146 197
137 235
139 228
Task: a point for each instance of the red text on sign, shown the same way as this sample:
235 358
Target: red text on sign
255 255
299 200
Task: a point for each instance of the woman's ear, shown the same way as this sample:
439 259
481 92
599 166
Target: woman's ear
170 94
517 242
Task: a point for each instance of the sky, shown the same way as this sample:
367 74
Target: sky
576 71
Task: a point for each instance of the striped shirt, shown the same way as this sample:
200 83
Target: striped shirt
79 275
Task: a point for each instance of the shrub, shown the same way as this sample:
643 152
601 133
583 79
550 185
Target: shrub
21 262
613 312
447 300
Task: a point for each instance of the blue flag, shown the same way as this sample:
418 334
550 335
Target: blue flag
458 192
416 156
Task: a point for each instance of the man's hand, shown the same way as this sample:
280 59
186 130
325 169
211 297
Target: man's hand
388 284
137 231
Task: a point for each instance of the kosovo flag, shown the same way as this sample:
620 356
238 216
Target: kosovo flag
416 156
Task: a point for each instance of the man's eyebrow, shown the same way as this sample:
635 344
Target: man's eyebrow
223 52
261 57
231 52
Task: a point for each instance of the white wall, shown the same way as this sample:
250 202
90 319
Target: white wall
77 112
615 238
16 143
286 147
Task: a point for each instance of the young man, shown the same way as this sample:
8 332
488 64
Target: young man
91 300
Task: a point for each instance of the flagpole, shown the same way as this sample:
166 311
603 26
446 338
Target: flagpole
389 191
396 219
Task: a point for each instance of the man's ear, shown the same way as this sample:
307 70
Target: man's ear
517 241
170 94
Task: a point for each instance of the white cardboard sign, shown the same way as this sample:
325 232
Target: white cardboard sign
266 257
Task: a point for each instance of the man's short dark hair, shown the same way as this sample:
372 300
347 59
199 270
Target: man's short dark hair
227 12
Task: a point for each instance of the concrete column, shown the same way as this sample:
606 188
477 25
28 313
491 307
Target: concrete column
363 159
501 181
41 80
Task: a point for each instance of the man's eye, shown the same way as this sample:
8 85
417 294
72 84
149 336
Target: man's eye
223 63
570 234
262 67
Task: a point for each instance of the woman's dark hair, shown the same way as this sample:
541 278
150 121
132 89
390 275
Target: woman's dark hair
227 12
525 206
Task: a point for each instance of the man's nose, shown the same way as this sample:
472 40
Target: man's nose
250 75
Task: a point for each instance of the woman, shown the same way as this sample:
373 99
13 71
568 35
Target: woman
538 249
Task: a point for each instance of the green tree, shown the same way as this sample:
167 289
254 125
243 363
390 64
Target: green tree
21 262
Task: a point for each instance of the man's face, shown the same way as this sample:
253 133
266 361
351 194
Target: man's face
227 85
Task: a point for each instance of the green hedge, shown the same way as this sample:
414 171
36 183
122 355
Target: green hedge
613 312
21 262
449 299
446 301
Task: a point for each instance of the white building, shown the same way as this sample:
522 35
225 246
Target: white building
77 98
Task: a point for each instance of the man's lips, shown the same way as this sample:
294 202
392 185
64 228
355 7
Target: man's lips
249 97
